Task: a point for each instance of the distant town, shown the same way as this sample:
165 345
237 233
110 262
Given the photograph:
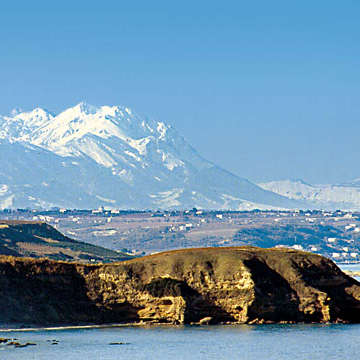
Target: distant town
333 234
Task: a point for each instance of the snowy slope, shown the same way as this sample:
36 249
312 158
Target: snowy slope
332 197
89 156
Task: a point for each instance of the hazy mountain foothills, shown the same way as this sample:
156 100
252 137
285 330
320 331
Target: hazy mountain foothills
88 156
332 197
332 234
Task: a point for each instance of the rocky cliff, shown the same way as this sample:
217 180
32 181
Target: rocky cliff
210 285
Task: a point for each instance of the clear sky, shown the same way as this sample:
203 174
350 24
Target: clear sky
266 89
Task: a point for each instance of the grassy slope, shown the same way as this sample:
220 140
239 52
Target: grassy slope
36 239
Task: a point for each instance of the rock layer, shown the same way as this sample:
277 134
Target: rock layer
210 285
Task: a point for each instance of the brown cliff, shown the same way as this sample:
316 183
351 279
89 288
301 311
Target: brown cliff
211 285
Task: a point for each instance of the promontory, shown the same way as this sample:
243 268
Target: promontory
207 285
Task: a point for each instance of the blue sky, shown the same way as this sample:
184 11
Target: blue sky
266 89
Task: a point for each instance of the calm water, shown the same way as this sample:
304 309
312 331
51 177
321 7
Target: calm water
278 342
216 342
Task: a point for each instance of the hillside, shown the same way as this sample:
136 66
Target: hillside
87 156
36 239
212 285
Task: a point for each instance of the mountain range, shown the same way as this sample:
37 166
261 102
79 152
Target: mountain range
344 196
89 156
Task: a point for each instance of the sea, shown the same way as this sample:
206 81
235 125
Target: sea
248 342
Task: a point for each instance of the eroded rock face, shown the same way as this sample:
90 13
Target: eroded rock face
211 285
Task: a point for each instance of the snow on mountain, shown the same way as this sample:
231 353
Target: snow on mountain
21 125
331 197
88 156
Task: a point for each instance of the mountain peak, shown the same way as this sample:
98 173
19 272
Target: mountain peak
35 113
109 155
84 128
80 110
22 124
85 108
299 181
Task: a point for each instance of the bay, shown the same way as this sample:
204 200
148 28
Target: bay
251 342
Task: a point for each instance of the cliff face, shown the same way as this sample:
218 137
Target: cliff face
212 285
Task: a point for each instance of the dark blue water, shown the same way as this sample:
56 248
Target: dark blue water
209 342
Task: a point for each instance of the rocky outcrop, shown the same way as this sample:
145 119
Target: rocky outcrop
210 285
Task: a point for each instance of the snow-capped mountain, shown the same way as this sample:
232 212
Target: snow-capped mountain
89 156
331 197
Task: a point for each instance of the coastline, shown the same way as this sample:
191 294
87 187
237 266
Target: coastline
79 327
160 325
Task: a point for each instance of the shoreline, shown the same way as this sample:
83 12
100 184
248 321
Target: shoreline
79 327
151 324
